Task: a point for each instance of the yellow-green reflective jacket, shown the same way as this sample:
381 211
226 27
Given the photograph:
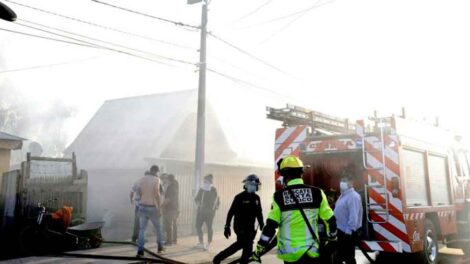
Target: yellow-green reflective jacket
294 236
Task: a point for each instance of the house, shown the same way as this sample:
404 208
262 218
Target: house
127 135
7 144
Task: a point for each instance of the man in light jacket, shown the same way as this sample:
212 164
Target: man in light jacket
348 212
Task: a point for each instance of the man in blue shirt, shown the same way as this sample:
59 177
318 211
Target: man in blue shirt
348 213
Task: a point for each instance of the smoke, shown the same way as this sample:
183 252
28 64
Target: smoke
33 119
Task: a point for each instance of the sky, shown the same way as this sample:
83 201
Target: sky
344 58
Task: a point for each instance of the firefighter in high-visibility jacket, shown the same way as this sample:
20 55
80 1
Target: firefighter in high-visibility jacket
295 242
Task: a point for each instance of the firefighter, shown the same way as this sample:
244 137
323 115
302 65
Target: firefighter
297 239
246 208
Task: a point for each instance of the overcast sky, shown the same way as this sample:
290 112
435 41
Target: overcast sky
343 57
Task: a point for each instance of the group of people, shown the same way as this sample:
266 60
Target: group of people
295 213
155 198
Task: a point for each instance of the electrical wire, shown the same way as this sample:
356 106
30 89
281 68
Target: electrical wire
247 54
254 11
299 16
48 65
284 17
101 26
47 38
245 83
176 23
95 39
92 46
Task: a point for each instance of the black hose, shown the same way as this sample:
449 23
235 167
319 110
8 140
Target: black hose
93 256
372 261
270 246
166 260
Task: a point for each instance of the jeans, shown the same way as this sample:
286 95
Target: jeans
149 213
207 218
135 232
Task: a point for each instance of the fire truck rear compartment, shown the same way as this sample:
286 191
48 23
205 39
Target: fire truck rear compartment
324 170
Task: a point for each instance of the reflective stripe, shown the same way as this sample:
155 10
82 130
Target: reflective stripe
285 232
292 245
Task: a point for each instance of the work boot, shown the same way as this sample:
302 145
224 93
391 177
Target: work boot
140 254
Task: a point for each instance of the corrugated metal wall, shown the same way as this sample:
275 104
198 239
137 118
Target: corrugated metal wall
109 194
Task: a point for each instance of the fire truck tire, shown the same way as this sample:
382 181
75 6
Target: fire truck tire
430 253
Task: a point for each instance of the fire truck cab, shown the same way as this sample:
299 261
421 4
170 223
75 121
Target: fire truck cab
413 177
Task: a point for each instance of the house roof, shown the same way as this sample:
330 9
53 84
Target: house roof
6 136
124 132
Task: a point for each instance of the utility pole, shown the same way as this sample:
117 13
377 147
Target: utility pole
201 104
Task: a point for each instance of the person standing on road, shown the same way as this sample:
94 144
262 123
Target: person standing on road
148 188
135 198
348 211
295 210
246 208
171 209
207 202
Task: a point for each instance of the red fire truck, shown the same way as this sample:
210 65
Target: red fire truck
413 177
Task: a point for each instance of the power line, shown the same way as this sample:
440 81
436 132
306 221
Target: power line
247 54
48 65
246 83
91 46
254 11
101 26
47 38
95 39
299 16
176 23
300 12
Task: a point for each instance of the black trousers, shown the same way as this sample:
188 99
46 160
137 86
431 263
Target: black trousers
244 242
201 219
305 259
346 247
170 217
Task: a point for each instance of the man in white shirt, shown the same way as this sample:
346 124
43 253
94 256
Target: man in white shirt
348 213
148 188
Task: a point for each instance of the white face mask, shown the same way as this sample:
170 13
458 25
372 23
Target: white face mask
280 180
206 186
343 186
250 188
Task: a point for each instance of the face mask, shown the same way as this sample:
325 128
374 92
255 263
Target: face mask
343 186
281 180
206 186
250 188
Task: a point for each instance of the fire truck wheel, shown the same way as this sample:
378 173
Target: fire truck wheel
430 253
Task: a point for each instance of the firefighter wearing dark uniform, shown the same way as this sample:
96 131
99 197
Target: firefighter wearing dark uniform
295 242
246 208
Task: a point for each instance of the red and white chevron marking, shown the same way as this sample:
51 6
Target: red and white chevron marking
413 216
288 141
393 231
395 247
445 213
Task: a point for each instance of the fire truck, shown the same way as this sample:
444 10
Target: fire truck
413 177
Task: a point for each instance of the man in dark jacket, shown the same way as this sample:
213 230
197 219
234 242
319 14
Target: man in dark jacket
207 202
246 207
171 209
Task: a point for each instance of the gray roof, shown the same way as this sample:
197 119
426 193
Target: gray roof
6 136
124 132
